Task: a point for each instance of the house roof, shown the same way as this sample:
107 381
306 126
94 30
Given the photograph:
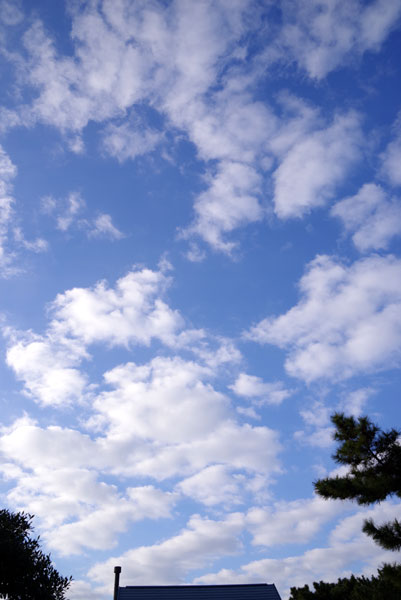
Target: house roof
252 591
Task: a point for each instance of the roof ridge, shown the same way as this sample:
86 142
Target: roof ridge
200 585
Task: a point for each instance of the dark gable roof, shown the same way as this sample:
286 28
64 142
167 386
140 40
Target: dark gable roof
252 591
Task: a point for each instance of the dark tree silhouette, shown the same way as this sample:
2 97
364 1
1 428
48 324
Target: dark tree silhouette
26 573
385 586
374 460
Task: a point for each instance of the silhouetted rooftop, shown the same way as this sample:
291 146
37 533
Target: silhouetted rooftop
251 591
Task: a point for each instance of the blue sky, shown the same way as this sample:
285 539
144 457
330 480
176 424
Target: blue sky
200 224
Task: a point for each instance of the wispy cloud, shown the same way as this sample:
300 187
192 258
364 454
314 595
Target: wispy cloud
103 226
320 36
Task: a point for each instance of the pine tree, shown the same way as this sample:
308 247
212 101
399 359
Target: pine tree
374 460
386 585
26 573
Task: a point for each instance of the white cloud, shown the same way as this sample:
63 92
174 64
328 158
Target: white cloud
170 561
348 550
317 415
76 144
350 527
48 204
58 479
66 211
47 368
102 520
131 312
230 128
172 64
230 201
69 213
6 213
324 563
82 590
370 216
103 226
213 351
166 391
347 320
315 165
59 476
318 430
167 421
9 231
251 386
10 12
321 36
7 169
354 402
50 448
391 160
38 245
165 417
214 485
295 522
171 59
75 204
321 437
178 410
7 173
127 141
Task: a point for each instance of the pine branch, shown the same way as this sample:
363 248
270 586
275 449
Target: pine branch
388 535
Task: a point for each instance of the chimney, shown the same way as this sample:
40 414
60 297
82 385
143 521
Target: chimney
117 571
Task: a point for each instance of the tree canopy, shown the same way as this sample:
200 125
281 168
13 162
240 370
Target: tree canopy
385 586
374 460
25 571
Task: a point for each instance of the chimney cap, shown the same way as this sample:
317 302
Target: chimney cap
117 569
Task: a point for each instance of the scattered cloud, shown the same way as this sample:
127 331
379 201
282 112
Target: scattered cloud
66 211
10 12
346 322
321 36
294 522
7 173
170 561
103 226
315 165
47 367
371 217
131 312
75 508
391 159
318 430
38 245
348 551
214 485
254 387
69 214
121 370
230 201
191 423
126 141
172 69
354 402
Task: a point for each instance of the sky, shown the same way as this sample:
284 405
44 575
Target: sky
200 260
